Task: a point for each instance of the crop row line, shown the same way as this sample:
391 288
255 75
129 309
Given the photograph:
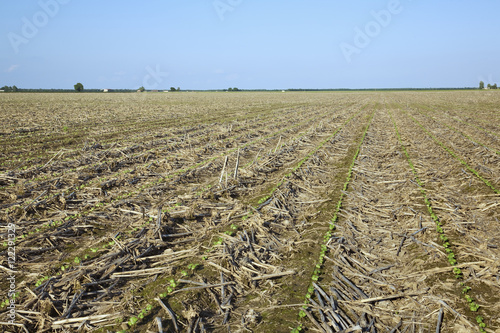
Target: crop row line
160 143
99 179
133 320
324 249
102 206
459 132
294 169
265 198
475 126
446 242
173 124
128 158
199 193
452 153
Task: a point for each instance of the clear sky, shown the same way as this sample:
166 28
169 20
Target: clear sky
272 44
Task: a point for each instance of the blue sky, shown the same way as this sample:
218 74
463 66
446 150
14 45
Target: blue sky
207 44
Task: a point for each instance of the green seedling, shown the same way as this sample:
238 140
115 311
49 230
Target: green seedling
132 321
473 307
42 280
193 266
482 325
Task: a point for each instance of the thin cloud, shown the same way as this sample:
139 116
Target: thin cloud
12 68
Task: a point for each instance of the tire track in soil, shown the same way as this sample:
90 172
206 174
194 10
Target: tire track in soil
470 214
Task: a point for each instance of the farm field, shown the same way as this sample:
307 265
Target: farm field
251 211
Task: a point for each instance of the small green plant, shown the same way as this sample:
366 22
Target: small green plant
41 280
473 306
132 321
193 266
482 325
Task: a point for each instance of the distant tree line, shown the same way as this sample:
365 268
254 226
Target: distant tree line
489 86
9 89
172 89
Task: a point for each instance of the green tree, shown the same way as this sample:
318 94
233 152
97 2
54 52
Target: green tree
178 89
172 88
141 89
230 89
494 86
481 85
235 89
9 89
78 86
489 86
